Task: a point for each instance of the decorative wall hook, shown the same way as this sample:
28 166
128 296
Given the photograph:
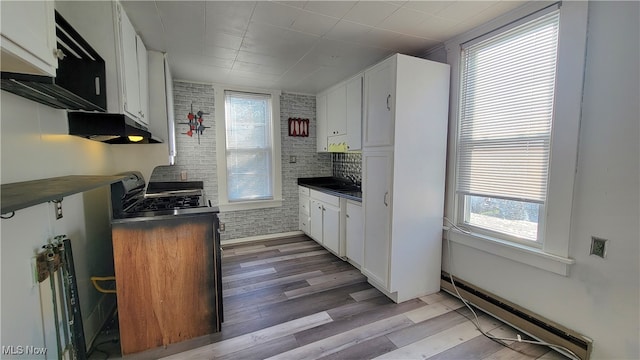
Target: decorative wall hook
195 123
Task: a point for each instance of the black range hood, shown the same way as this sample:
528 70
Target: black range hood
109 128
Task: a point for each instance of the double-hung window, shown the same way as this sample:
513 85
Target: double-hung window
248 149
515 115
249 146
504 135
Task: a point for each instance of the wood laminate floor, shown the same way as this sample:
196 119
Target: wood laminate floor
291 299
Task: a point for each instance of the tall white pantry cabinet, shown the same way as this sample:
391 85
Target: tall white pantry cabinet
404 158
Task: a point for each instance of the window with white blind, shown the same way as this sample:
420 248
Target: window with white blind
248 131
507 94
248 149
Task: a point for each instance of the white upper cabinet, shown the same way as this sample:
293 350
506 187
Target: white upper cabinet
28 34
343 111
135 87
380 103
321 122
337 111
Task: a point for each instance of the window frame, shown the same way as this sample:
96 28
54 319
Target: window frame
553 254
224 204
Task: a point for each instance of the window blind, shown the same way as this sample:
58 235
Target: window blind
249 146
506 111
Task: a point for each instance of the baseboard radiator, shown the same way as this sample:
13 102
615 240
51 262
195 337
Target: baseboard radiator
518 317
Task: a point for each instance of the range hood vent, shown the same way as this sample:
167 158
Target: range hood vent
109 128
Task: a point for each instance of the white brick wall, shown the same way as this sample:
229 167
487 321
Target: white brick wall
199 160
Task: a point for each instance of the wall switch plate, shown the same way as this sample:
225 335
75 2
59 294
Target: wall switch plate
183 175
598 247
58 204
292 159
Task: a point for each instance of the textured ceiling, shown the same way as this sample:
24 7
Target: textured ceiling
297 46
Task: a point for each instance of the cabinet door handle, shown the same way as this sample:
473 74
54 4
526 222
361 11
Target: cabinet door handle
386 203
97 82
389 102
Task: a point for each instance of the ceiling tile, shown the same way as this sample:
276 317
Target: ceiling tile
263 59
436 28
220 39
348 31
313 23
220 52
277 42
275 69
403 21
331 8
298 4
146 20
186 68
229 17
463 10
370 12
183 22
429 7
275 14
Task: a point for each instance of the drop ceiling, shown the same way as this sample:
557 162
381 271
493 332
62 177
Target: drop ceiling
297 46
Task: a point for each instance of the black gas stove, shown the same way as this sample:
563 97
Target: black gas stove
129 200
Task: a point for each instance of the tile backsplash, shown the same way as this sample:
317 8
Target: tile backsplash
347 166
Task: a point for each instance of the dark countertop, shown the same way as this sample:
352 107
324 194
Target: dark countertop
158 215
333 186
20 195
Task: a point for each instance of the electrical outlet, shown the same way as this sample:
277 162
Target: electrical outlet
222 226
598 247
183 175
292 159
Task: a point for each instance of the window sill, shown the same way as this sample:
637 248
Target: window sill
250 205
516 252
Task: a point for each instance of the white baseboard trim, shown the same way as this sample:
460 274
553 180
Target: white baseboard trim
261 237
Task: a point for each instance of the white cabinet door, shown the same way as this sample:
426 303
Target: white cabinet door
354 113
303 214
331 228
337 111
143 80
376 185
316 221
321 122
129 61
355 232
379 82
28 37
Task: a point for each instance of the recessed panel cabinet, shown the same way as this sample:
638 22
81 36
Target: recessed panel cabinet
135 90
404 159
321 123
339 114
28 33
354 232
380 94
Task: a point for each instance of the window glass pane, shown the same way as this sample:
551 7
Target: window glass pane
516 218
248 175
248 143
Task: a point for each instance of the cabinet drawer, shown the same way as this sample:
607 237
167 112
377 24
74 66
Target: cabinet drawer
304 224
325 198
304 205
303 190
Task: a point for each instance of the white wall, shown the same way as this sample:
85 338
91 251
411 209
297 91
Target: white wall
600 297
34 145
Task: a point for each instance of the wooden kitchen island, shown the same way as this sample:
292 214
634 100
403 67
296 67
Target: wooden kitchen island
167 279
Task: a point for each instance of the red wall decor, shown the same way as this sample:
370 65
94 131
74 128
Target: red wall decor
298 127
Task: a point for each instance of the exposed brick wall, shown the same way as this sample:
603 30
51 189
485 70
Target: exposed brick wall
199 160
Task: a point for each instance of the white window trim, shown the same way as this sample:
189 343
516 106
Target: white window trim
554 254
221 150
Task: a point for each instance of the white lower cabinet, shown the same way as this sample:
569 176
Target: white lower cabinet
326 225
354 229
